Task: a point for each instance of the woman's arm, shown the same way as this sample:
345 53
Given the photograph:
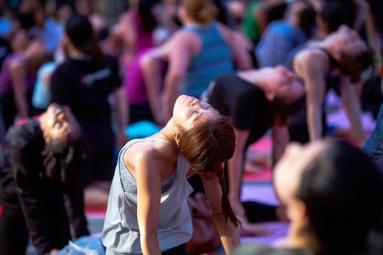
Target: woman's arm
179 51
312 68
229 234
351 104
235 170
18 75
148 200
123 115
151 70
239 45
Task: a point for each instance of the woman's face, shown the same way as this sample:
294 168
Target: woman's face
60 124
189 110
288 171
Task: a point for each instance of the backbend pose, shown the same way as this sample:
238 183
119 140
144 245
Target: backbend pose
147 209
344 55
41 183
255 101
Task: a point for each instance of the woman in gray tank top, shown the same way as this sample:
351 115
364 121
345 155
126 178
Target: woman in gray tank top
147 208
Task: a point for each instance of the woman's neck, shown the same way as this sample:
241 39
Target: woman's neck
167 133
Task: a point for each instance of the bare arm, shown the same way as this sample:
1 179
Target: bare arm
179 52
123 115
351 104
239 45
229 234
313 67
17 71
280 137
148 201
150 67
236 165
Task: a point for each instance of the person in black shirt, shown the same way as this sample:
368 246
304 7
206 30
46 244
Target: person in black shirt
255 101
84 82
42 163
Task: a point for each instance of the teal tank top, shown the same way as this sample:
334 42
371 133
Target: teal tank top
214 59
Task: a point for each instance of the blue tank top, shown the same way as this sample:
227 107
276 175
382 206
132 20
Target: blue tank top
121 233
213 60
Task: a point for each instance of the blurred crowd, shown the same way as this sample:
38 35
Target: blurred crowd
113 69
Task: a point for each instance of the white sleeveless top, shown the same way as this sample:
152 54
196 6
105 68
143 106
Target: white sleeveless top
121 232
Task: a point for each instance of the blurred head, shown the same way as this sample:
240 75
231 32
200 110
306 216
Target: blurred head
146 12
207 141
303 15
79 35
283 90
84 7
79 32
59 125
354 55
199 11
62 141
331 16
332 192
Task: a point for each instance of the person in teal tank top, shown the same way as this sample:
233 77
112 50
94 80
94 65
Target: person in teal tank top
197 54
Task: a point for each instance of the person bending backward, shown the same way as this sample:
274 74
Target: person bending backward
42 167
341 54
255 101
197 54
334 196
147 209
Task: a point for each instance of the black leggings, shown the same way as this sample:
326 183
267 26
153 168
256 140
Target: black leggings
178 250
13 231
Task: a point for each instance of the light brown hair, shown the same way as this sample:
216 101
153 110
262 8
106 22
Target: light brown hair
202 11
207 146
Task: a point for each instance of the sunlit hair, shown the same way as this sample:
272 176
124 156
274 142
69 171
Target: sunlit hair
207 146
202 11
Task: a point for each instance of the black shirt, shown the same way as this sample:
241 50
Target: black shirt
245 104
85 88
24 185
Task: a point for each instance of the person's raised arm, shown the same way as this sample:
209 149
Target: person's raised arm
280 136
312 68
239 45
148 200
179 51
351 104
228 232
151 70
18 75
123 115
235 169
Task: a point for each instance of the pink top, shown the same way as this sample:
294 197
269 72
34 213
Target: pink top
5 75
133 80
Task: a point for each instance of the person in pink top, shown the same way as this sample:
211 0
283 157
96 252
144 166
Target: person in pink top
136 32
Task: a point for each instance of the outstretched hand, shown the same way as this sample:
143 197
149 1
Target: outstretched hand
247 228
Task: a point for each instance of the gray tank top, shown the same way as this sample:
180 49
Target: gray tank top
121 232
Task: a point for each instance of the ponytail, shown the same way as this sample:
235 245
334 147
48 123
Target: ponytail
226 207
